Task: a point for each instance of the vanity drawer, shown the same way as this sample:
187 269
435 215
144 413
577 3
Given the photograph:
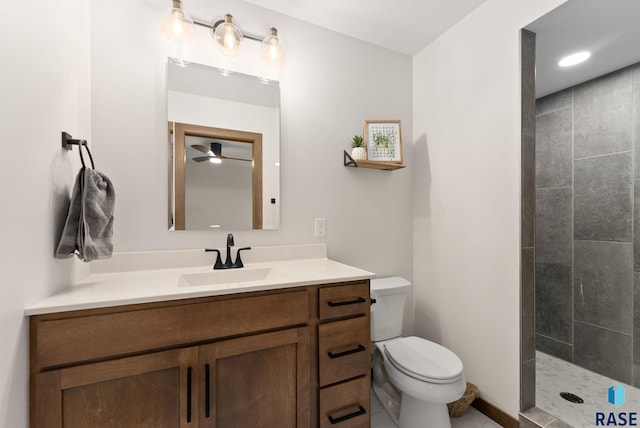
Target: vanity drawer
343 349
93 334
346 405
343 300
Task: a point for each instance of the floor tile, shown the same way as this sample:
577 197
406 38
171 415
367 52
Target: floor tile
554 376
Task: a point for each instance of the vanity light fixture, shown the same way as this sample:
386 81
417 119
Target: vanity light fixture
272 51
227 35
228 38
178 25
574 59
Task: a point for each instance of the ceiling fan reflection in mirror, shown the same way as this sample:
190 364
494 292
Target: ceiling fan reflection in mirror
214 153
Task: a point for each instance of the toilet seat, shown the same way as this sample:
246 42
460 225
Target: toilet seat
423 360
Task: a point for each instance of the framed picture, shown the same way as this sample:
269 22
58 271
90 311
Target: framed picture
383 140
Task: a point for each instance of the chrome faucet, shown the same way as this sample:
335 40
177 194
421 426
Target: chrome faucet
228 264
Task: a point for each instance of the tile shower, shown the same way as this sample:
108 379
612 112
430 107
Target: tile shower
587 251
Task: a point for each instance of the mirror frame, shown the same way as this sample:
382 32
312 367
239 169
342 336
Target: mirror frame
181 131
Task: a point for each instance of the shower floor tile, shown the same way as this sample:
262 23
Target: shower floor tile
554 376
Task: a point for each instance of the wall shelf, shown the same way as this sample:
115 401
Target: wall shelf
387 166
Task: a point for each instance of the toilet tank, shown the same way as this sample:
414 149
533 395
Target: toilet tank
387 313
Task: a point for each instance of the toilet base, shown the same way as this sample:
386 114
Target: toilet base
416 413
390 402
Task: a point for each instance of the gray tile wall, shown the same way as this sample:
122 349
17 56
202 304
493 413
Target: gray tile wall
636 329
603 284
635 80
602 114
554 229
602 198
554 224
554 148
587 248
554 311
528 209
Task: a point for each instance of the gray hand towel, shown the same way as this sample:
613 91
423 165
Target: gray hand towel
89 226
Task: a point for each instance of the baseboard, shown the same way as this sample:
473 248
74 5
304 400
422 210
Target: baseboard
492 412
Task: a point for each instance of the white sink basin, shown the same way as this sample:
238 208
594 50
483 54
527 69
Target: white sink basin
229 276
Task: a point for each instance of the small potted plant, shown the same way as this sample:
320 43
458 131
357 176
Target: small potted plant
358 152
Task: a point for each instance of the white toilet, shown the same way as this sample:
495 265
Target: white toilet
410 373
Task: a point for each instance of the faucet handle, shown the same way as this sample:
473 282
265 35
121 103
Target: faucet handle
218 264
238 263
230 242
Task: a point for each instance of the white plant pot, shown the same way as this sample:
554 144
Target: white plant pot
359 153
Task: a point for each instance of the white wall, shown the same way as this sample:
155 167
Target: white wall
45 90
467 193
330 84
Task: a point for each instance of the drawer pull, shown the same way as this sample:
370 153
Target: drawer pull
347 302
207 391
189 370
360 348
361 411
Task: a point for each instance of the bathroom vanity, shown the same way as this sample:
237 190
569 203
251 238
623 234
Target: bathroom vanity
276 352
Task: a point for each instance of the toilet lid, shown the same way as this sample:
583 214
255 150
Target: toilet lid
424 360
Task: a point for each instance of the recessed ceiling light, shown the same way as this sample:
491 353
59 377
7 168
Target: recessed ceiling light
574 59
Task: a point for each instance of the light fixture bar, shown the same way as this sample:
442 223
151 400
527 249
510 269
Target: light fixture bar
215 25
227 35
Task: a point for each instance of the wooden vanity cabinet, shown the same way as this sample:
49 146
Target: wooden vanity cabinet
244 360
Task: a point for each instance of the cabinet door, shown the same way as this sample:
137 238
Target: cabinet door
157 390
259 381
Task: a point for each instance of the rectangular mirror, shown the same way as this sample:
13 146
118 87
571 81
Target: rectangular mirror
224 149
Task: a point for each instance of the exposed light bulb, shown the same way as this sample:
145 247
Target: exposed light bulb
178 26
574 59
272 49
178 23
228 37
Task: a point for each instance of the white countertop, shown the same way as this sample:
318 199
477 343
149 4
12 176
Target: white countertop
100 290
